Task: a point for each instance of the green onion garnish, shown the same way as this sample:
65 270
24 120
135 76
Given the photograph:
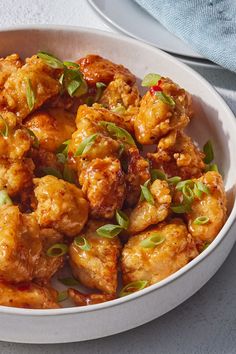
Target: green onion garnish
202 187
188 194
119 109
70 64
30 96
205 246
197 192
63 148
201 220
69 281
181 184
72 87
146 194
212 167
69 174
57 250
100 88
5 131
122 219
82 243
34 137
181 208
118 132
52 172
109 230
4 198
153 240
133 287
50 60
61 157
174 180
158 174
165 98
62 296
150 80
208 151
86 145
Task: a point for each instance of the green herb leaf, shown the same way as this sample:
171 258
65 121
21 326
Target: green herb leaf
5 131
201 220
50 60
34 137
52 172
158 174
122 219
62 296
82 243
153 240
165 98
4 198
69 281
109 230
30 96
118 132
86 145
208 151
146 194
57 250
150 80
133 287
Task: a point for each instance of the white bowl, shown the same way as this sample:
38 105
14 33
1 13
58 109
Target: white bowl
213 119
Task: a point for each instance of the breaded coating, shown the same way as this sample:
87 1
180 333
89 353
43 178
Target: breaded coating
157 118
146 214
8 65
20 245
52 127
183 159
44 83
212 205
43 158
137 174
61 205
15 145
157 263
97 69
16 175
103 183
88 299
47 266
28 296
97 267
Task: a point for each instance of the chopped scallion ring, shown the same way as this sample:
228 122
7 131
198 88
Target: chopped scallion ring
4 198
181 184
118 132
86 145
212 167
205 246
181 208
52 172
34 137
62 296
69 281
122 219
109 230
165 98
208 151
201 220
202 187
153 240
63 148
133 287
30 96
5 131
57 250
174 180
146 194
158 174
187 194
82 243
150 80
50 60
197 192
119 109
100 88
70 64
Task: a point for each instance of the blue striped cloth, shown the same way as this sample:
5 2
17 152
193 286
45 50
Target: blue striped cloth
209 26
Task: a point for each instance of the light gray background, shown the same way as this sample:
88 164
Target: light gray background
206 323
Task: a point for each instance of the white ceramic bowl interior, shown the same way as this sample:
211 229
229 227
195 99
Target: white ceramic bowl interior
213 120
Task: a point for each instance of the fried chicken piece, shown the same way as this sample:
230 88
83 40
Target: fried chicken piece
182 159
16 175
20 245
157 263
137 174
97 69
29 296
97 267
15 145
47 266
61 205
43 81
157 118
212 205
8 65
146 214
52 127
88 299
103 183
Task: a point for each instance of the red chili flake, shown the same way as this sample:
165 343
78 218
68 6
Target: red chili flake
156 88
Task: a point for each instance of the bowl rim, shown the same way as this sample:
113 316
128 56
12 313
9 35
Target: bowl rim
217 241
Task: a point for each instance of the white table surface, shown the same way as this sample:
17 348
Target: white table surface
206 323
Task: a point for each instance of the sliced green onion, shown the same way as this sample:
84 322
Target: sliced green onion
165 98
174 180
208 151
146 194
212 167
109 230
201 220
205 246
5 131
181 184
69 281
150 80
158 174
50 60
61 157
34 137
100 88
86 145
187 194
70 64
4 198
133 287
57 250
72 87
181 208
202 187
69 174
63 148
52 172
62 296
118 132
119 109
153 240
122 219
197 191
121 149
82 243
30 96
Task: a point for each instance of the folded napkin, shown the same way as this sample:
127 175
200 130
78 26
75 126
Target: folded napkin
208 26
